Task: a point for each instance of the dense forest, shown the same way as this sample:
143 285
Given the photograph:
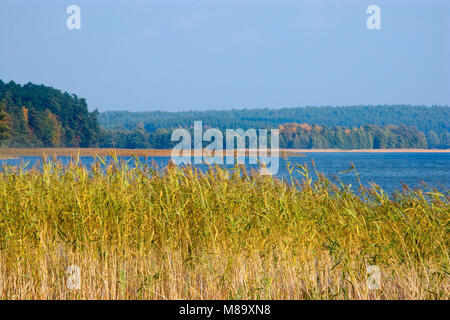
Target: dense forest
377 127
292 135
39 116
304 136
424 118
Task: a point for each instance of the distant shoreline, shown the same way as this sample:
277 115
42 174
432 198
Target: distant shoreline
371 150
10 153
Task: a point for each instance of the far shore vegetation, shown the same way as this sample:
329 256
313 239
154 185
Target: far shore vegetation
36 116
10 153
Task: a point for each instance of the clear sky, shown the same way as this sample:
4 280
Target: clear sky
221 54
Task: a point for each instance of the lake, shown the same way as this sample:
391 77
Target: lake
388 170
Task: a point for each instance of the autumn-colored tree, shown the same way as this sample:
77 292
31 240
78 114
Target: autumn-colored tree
3 123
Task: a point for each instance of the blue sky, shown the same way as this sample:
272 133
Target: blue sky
220 54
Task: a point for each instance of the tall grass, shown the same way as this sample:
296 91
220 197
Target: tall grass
139 233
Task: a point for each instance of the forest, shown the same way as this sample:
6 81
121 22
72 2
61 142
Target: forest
353 127
426 119
40 116
378 127
292 135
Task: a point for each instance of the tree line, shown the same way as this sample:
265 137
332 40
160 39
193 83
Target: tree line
39 116
426 119
371 127
292 135
304 136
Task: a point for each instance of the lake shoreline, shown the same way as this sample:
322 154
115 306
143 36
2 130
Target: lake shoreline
10 153
370 150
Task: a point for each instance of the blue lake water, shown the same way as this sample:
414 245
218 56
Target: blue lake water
388 170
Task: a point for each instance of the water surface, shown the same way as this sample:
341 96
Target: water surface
388 170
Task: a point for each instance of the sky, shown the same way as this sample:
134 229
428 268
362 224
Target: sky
174 55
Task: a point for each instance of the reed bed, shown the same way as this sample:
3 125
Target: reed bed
8 153
73 152
137 232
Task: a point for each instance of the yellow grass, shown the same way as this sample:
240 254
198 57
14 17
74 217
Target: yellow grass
137 233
